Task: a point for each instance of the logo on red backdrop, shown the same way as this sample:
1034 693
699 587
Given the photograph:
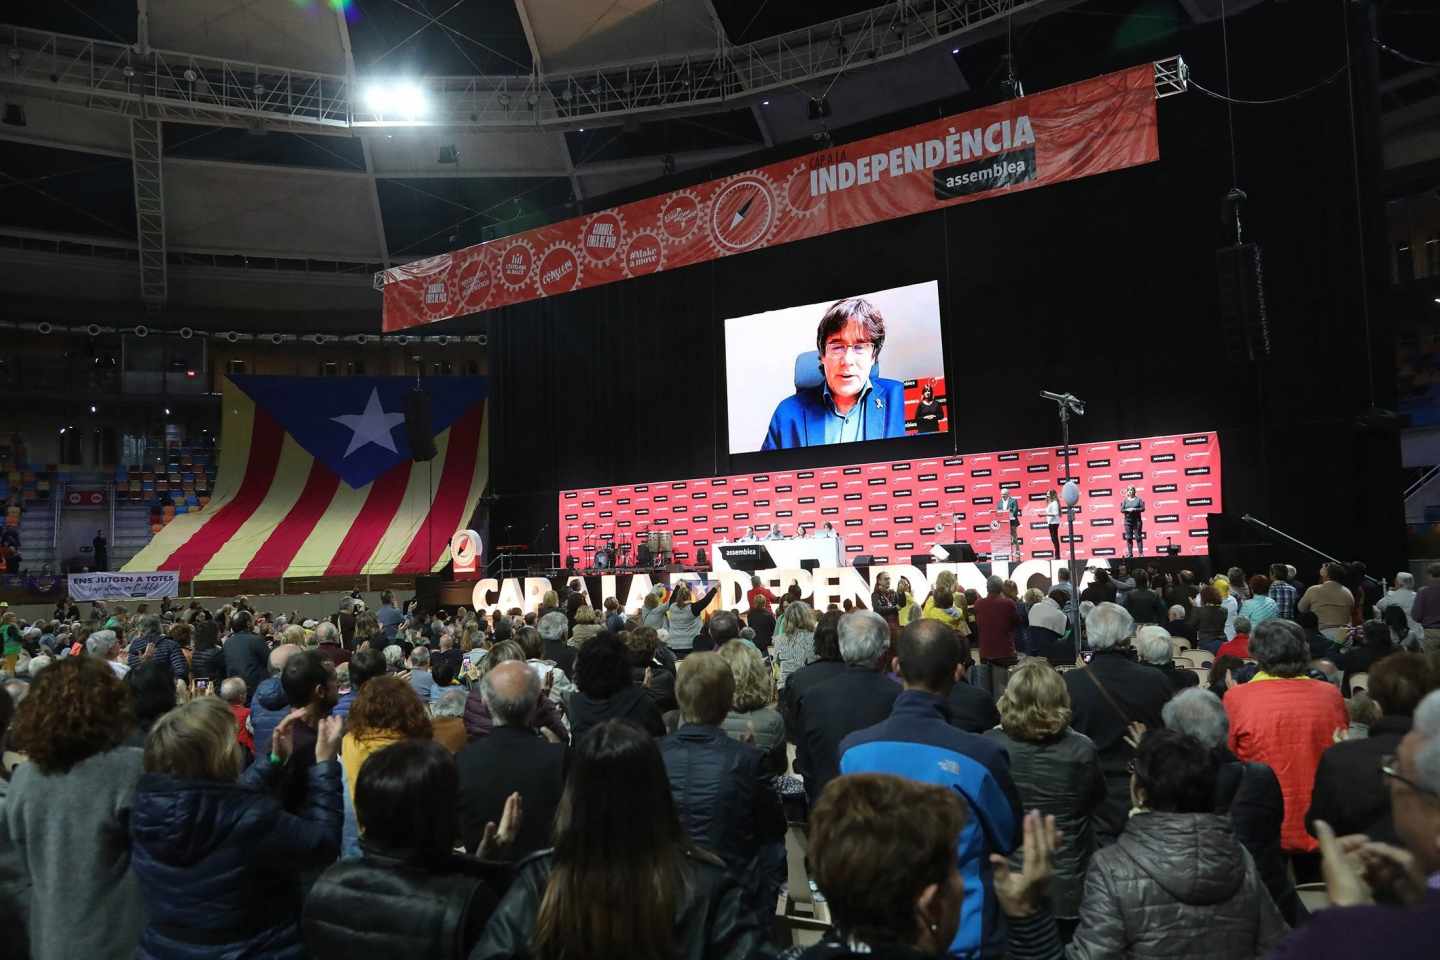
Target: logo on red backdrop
516 263
742 213
85 498
559 270
602 236
476 282
465 551
679 215
643 255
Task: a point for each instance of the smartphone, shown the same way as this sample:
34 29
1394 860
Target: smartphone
202 685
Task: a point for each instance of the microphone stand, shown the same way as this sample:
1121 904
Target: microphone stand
1068 404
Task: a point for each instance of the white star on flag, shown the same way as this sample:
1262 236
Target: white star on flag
372 426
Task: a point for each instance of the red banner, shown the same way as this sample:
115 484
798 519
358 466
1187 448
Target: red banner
899 508
1086 128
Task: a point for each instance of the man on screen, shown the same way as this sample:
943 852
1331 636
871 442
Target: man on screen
848 405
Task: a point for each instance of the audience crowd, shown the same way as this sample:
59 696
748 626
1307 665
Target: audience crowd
1032 772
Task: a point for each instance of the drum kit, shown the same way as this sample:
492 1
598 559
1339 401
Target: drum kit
652 548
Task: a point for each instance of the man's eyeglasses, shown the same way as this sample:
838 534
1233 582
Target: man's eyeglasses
1388 767
837 350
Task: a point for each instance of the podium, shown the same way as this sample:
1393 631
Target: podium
745 556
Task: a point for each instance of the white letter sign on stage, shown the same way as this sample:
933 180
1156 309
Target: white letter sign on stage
465 551
124 586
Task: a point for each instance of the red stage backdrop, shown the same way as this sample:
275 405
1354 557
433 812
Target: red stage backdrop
1095 126
903 507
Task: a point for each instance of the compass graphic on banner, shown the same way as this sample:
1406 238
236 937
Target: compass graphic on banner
742 213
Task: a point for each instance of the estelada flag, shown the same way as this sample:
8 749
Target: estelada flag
316 479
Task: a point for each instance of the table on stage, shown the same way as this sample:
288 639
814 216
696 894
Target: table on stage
787 551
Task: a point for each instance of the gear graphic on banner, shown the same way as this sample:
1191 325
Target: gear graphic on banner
559 270
798 199
743 213
472 282
679 216
602 236
439 300
644 253
517 262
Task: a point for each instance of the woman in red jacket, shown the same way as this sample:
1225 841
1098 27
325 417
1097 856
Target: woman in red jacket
1285 719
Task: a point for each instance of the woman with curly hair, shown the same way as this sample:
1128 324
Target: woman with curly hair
1057 771
386 711
68 808
752 715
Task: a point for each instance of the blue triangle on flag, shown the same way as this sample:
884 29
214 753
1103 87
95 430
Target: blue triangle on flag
356 425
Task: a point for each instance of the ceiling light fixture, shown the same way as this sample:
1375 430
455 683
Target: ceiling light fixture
401 99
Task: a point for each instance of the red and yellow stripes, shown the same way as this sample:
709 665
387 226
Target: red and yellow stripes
279 512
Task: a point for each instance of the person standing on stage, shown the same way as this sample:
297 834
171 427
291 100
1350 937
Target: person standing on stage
101 547
1052 519
1133 508
1010 508
929 411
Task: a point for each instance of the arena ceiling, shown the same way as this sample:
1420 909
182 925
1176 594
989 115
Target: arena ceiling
251 209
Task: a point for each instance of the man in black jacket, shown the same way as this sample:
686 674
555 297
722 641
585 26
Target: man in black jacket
859 697
246 655
1246 791
1350 792
829 665
1108 694
514 758
724 800
1144 604
970 708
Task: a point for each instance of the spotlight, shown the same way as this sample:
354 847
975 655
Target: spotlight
448 154
129 72
819 108
92 408
14 115
167 411
764 103
399 99
190 75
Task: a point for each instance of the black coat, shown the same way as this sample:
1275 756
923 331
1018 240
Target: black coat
1146 606
763 623
247 657
562 655
1350 792
971 708
1178 677
510 759
713 921
631 703
1139 692
219 863
208 664
380 906
855 699
723 798
1249 794
802 680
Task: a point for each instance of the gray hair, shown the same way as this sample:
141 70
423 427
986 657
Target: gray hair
1280 647
420 656
326 632
864 638
393 655
1405 580
101 643
1153 643
1427 727
511 711
994 583
1200 714
1177 612
149 624
1242 624
1108 625
554 627
36 665
232 690
450 704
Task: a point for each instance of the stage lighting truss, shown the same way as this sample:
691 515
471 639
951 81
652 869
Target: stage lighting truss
166 85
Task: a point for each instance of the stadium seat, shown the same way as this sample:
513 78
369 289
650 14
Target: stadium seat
1199 658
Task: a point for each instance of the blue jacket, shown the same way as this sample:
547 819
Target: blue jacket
918 742
799 419
266 711
219 863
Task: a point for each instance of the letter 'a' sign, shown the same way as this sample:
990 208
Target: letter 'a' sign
465 550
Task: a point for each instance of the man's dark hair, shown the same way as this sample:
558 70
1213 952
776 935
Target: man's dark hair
1142 580
1177 772
1400 681
303 672
601 670
724 626
387 597
503 630
152 691
407 797
1308 620
1336 572
1102 575
1060 597
443 673
827 636
1064 573
240 621
929 652
1278 571
842 312
366 665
